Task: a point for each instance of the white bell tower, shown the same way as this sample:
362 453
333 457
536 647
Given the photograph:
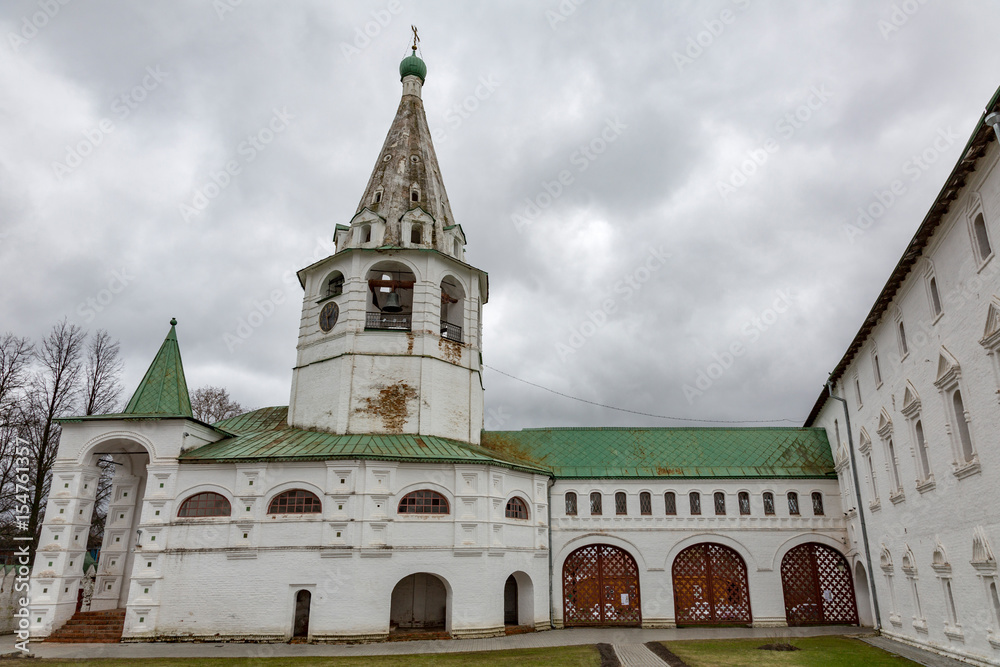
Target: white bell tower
390 336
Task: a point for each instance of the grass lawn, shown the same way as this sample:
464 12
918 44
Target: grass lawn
561 656
816 652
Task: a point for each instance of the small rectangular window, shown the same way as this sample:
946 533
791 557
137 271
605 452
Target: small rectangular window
670 503
817 499
595 503
571 504
621 504
769 503
645 504
695 500
720 504
793 503
744 498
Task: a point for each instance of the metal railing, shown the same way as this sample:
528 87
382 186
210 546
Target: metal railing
451 331
394 321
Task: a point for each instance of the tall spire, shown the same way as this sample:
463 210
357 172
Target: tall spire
406 174
163 390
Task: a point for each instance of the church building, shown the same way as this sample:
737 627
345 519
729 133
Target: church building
375 503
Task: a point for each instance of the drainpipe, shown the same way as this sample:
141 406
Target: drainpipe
994 120
861 511
552 608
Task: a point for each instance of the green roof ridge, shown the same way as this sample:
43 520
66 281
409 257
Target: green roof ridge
163 390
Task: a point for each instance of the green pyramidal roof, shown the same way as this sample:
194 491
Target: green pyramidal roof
163 390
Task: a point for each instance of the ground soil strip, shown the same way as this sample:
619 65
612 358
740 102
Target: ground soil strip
665 654
608 656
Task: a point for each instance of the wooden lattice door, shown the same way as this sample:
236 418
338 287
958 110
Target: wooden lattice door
600 587
710 587
818 588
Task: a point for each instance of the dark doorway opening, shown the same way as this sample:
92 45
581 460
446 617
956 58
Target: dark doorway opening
301 625
510 601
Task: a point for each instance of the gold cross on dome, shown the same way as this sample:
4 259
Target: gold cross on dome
416 38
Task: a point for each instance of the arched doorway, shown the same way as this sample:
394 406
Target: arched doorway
818 587
510 601
863 595
419 601
710 586
300 627
600 587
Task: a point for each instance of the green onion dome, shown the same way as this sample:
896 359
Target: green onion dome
412 64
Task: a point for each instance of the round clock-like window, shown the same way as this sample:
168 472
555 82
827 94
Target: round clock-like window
328 316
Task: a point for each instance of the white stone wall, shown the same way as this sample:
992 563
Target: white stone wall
350 557
655 540
944 511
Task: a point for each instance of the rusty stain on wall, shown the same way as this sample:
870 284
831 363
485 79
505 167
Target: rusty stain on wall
390 406
450 350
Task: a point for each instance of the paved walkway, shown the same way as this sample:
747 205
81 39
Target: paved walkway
571 637
917 655
637 655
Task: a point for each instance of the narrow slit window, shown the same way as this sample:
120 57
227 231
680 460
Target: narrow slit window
935 297
793 503
982 238
414 196
645 504
768 503
876 369
925 467
744 498
596 508
621 504
962 424
378 196
720 503
903 349
857 392
817 499
570 504
694 498
670 503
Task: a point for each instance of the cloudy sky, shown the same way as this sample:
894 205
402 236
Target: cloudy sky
713 157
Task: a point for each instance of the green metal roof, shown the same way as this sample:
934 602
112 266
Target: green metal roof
265 435
670 452
562 452
163 390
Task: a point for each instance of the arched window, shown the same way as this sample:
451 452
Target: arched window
982 238
744 498
694 498
768 503
378 196
570 504
415 195
334 284
423 502
452 309
935 297
817 499
670 503
720 503
621 503
366 234
416 234
205 504
595 504
296 501
645 504
793 503
516 509
964 437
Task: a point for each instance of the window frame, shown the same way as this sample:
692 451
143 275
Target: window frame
645 503
934 297
719 502
307 497
518 504
433 495
769 507
743 500
621 503
793 503
599 505
570 500
817 503
694 503
975 216
669 506
187 502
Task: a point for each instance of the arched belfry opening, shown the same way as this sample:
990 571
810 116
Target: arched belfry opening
390 297
452 309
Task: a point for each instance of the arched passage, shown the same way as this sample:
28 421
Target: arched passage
818 586
863 595
518 600
300 626
710 586
419 601
600 587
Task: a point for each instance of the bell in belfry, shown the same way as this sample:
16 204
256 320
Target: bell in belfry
392 304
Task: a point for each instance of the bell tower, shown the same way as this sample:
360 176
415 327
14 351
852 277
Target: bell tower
390 335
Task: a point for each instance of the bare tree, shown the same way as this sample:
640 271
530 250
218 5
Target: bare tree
211 404
15 354
102 375
51 392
